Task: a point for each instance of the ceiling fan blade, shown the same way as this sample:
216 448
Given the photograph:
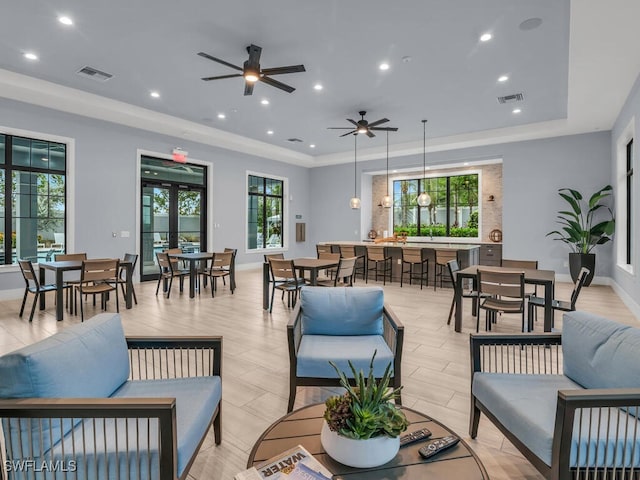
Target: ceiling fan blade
353 121
378 122
339 128
277 84
385 129
370 134
248 88
283 70
206 79
254 55
230 65
348 133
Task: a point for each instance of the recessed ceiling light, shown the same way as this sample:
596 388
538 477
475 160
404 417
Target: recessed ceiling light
503 78
485 37
516 110
312 145
383 66
30 56
318 87
269 132
155 94
65 20
222 116
264 101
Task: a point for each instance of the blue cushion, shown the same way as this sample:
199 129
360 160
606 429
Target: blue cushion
600 353
316 350
526 406
342 310
196 400
85 360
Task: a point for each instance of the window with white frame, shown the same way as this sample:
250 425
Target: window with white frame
625 197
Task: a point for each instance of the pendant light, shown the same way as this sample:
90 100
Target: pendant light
386 200
424 200
355 201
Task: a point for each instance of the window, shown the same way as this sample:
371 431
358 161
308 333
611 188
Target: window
629 175
265 212
453 211
32 198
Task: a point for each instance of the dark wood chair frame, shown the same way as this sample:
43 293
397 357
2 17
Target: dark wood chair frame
393 333
385 260
360 252
33 286
207 352
168 272
541 354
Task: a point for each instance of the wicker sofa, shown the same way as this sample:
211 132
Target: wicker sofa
88 403
570 403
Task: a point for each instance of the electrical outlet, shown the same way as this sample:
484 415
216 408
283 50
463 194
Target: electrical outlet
399 261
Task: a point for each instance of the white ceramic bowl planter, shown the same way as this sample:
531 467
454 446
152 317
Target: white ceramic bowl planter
367 453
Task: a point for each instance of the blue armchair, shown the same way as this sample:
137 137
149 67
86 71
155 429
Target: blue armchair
341 325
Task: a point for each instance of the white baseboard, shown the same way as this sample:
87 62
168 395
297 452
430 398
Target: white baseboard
627 299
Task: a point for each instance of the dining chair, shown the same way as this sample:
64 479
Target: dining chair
71 279
33 286
524 265
415 259
349 251
560 305
168 271
98 277
122 275
220 268
232 277
344 273
285 279
503 292
454 268
380 257
329 272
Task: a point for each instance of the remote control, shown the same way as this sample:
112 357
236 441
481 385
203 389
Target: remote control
437 445
413 437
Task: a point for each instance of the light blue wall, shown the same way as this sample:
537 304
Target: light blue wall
105 195
533 171
628 282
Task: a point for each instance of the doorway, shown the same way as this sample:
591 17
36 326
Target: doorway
173 202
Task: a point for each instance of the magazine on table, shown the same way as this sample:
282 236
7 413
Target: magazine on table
294 464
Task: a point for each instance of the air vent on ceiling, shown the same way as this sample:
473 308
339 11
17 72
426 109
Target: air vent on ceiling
94 74
293 140
516 97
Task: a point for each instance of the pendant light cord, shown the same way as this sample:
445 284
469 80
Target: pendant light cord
424 154
355 159
387 163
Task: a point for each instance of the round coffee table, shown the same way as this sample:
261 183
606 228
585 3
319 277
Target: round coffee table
302 427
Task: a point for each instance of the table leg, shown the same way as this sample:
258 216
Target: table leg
265 286
458 300
128 291
59 295
192 278
313 276
548 310
43 303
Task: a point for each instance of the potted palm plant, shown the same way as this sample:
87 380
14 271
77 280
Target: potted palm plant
362 426
584 226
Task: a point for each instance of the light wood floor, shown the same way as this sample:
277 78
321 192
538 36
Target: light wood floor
255 359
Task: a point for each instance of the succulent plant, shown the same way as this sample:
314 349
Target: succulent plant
365 411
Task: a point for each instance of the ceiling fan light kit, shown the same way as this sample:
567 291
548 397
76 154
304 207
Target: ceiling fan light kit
252 73
363 126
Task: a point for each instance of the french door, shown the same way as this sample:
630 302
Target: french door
173 216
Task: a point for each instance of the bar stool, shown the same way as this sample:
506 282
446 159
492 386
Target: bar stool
442 270
380 257
415 259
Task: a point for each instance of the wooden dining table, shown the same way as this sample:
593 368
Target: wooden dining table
76 265
311 265
545 278
193 259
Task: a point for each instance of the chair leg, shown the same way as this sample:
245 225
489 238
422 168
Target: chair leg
33 307
273 291
169 286
24 301
453 306
292 394
474 419
81 307
133 292
217 425
158 286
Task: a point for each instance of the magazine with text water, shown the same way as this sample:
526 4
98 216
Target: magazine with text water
294 464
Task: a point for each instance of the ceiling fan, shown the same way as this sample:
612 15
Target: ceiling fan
363 126
252 73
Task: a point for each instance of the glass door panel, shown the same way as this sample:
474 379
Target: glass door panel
189 219
155 226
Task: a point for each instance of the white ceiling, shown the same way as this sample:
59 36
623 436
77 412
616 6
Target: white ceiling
574 71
